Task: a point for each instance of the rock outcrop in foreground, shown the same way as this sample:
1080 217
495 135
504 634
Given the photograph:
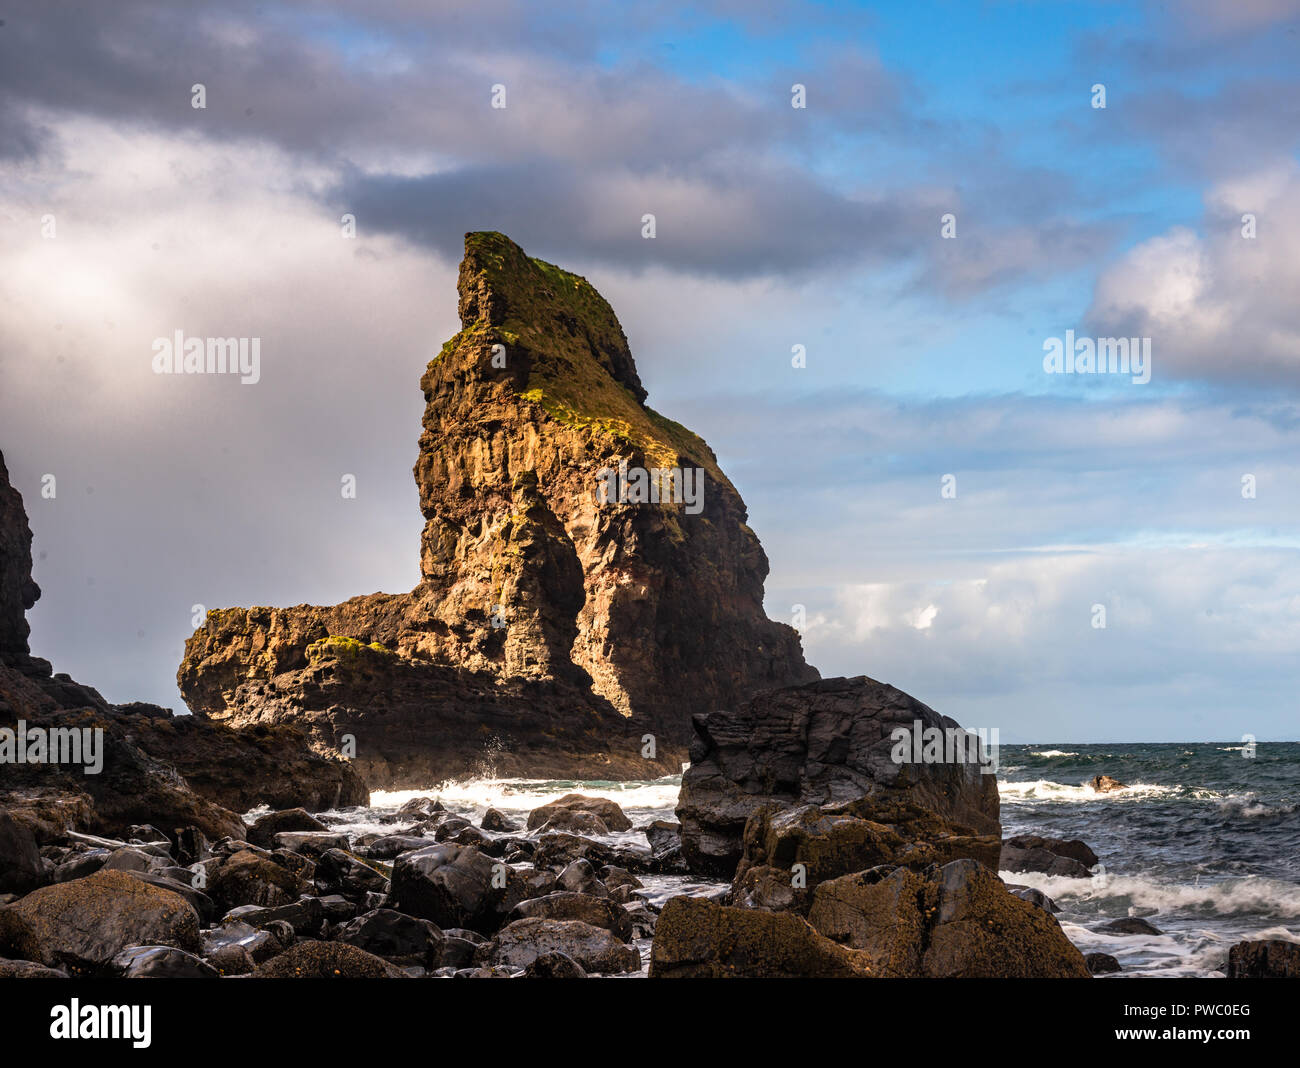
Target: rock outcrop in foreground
798 771
175 772
552 628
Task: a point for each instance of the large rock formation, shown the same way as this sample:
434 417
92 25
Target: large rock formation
551 629
826 749
17 590
147 755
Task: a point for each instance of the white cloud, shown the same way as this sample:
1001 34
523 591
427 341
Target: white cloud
1216 304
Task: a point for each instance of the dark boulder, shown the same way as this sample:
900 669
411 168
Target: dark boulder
821 744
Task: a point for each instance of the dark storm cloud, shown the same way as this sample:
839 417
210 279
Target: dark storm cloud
773 222
396 98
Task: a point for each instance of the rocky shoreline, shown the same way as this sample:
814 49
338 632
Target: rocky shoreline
561 636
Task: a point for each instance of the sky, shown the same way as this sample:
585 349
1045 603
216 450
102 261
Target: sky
949 516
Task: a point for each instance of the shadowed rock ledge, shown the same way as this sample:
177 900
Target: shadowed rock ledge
549 631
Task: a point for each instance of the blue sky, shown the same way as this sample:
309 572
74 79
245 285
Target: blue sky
776 227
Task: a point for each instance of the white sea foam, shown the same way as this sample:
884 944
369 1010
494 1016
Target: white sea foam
1246 896
1046 790
524 795
1053 753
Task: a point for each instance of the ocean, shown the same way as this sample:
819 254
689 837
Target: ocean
1203 843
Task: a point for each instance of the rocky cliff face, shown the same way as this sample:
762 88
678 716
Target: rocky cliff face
172 771
552 626
17 590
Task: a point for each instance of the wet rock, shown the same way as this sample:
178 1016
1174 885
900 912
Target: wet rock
456 886
1271 958
554 850
231 960
80 865
1104 784
595 949
21 869
1062 847
401 939
26 969
666 856
341 872
554 966
1050 856
1034 897
391 845
327 960
311 843
265 828
955 920
810 844
1130 925
1101 964
247 878
259 944
83 924
580 877
574 822
822 744
602 808
697 938
565 905
160 962
497 821
337 908
421 806
304 915
199 901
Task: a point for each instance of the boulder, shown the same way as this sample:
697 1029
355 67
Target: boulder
160 962
221 942
456 886
822 744
824 842
607 811
497 821
1104 784
249 878
401 939
565 905
263 830
26 969
304 915
1062 847
594 949
1101 964
1013 858
1130 925
697 938
21 869
83 924
1271 958
311 843
327 960
554 966
955 920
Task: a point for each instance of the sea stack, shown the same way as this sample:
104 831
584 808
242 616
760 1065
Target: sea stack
560 617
